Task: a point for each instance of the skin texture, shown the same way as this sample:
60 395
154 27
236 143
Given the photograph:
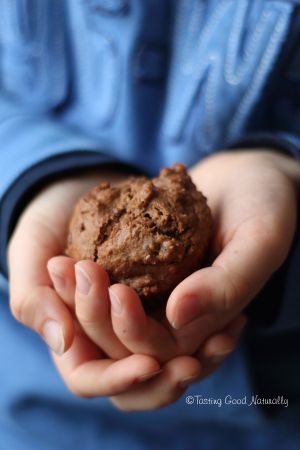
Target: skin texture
110 347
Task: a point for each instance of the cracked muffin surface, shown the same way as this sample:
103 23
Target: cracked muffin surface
148 234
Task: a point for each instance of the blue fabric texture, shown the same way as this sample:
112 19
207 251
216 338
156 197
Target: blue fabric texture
146 83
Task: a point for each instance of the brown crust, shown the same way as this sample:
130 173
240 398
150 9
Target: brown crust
148 234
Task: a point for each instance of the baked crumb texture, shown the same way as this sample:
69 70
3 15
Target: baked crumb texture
148 234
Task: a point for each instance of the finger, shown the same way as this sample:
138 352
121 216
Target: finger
235 277
32 300
86 374
163 389
218 347
137 331
92 310
92 306
62 273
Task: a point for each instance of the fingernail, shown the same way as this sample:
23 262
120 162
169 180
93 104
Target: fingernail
217 359
190 311
188 381
83 283
116 305
57 280
148 376
53 335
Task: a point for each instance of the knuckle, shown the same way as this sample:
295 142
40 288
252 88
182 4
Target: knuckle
130 403
229 344
25 307
231 295
235 289
86 322
155 404
75 389
85 315
123 406
170 397
86 319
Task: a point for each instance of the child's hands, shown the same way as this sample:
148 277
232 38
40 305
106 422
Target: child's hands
108 369
88 295
254 230
253 197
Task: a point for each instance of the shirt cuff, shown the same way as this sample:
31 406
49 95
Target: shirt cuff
35 150
280 141
276 309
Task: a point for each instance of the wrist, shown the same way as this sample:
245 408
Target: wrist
229 161
288 165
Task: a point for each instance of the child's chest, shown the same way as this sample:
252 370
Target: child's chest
200 65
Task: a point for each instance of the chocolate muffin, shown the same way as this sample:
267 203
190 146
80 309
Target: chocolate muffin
148 234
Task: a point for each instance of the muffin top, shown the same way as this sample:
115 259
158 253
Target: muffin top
148 234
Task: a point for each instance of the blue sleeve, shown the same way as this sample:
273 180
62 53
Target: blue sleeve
34 148
277 307
282 141
275 123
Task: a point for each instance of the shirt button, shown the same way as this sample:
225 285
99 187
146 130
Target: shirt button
150 64
109 7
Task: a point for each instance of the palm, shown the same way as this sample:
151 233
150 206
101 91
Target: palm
254 209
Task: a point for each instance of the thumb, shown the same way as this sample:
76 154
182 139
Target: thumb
235 277
33 301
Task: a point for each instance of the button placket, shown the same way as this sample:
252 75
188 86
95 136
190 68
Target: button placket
108 7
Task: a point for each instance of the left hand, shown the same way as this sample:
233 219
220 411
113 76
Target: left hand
253 198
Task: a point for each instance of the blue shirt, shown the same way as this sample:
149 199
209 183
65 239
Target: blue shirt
146 83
